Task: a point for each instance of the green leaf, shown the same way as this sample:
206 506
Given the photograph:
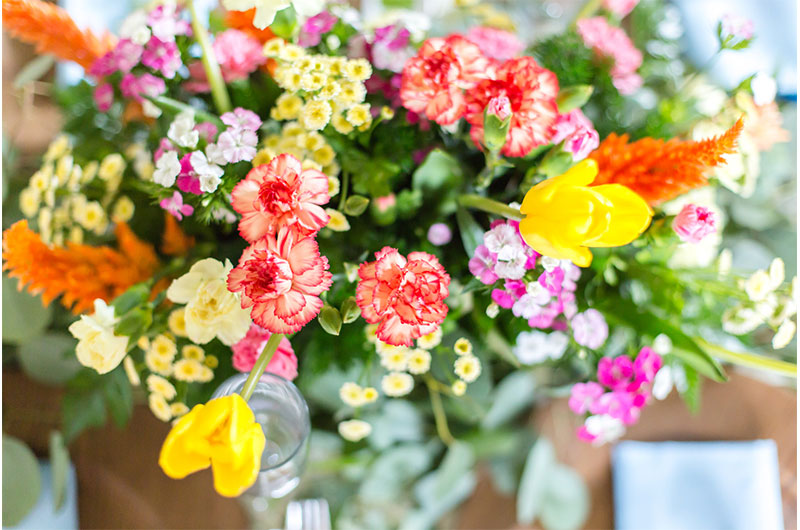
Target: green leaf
22 481
330 319
355 205
118 395
438 169
512 395
284 24
59 466
471 232
458 461
533 484
492 443
49 358
573 97
134 296
134 323
350 310
694 386
497 343
566 502
24 316
34 70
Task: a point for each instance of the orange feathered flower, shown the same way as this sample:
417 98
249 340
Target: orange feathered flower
52 30
243 21
661 170
77 273
174 242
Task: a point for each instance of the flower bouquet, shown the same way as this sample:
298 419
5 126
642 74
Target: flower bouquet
428 231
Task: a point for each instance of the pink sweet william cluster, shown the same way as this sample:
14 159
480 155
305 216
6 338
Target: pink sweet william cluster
622 390
450 78
578 134
612 42
238 55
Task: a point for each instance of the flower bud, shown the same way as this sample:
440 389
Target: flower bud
694 223
496 122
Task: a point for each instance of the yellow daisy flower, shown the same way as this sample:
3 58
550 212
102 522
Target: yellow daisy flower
159 385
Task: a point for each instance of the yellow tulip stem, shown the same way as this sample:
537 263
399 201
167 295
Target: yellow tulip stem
588 9
219 92
490 206
750 360
261 364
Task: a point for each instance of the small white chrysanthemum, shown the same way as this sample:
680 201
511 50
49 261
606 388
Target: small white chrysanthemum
158 365
315 115
181 130
130 371
758 286
357 69
459 388
273 47
341 124
111 167
194 352
29 202
359 115
177 323
333 187
463 346
351 394
468 368
419 361
159 407
338 222
164 347
178 409
167 170
159 385
492 310
396 384
784 334
740 320
370 395
395 359
123 210
431 340
777 273
189 370
354 430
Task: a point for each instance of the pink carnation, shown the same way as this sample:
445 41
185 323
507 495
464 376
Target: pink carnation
496 43
612 42
281 277
620 8
578 134
404 296
247 350
280 194
434 79
163 56
175 207
238 55
694 223
103 97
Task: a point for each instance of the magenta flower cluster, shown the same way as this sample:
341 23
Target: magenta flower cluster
622 390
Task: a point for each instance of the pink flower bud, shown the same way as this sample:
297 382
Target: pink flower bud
737 27
620 8
499 106
384 203
693 223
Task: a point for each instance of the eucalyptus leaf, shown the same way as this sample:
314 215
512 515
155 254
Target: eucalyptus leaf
512 395
433 507
34 70
49 358
24 316
22 481
59 468
459 460
566 503
534 482
393 469
504 475
398 421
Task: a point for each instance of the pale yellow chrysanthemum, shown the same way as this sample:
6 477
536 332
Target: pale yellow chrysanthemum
313 141
75 235
387 113
318 64
468 368
336 65
370 395
352 394
272 142
316 115
359 115
211 361
90 171
206 374
188 370
75 178
357 70
143 343
330 90
419 361
333 186
459 388
159 385
354 430
158 365
338 222
313 82
40 181
331 169
178 409
177 322
324 155
382 348
304 64
351 93
341 124
290 80
112 167
144 168
91 216
291 53
45 223
57 148
273 47
463 346
194 352
130 371
310 164
431 340
63 169
164 347
370 330
396 384
29 200
123 210
288 106
292 128
264 156
395 360
159 407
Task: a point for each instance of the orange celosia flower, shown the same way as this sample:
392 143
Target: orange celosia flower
174 242
659 170
243 21
77 273
52 30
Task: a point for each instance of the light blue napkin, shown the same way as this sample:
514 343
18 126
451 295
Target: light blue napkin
697 485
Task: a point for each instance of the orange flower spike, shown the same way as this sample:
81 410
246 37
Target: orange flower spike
660 171
174 242
51 29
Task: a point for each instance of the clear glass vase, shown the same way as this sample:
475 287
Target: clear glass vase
283 414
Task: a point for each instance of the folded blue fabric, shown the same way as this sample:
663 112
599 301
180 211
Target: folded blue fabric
697 485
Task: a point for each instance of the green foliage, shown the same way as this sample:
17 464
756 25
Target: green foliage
90 396
22 481
24 316
59 469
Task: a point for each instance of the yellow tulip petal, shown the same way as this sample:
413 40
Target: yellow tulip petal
630 216
580 256
175 458
232 480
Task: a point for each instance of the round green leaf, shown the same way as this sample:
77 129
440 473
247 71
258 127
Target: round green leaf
566 501
49 358
22 481
24 316
533 485
59 464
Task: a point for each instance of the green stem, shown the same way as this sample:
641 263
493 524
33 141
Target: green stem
261 364
214 75
439 415
344 183
750 360
587 10
490 206
176 107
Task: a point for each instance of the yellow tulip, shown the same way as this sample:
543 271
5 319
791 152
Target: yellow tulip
221 434
564 216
